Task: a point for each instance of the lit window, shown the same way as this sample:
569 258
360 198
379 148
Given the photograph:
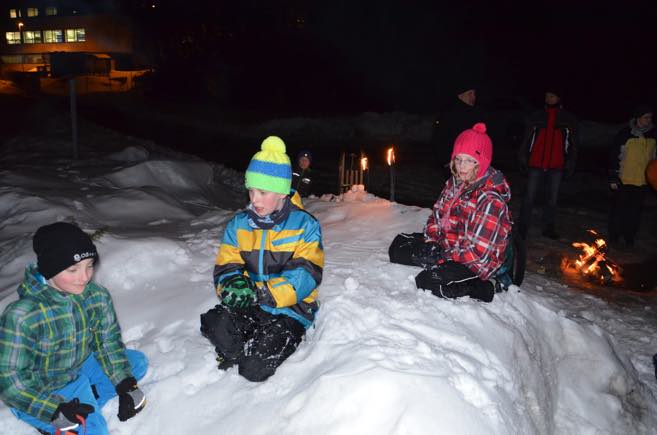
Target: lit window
13 13
53 36
51 10
13 37
75 35
32 37
33 58
14 58
32 12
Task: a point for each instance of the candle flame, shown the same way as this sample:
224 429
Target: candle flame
363 163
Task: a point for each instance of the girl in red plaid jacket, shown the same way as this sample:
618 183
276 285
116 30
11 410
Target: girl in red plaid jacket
470 223
465 239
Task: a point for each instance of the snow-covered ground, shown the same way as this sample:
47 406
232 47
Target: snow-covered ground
383 357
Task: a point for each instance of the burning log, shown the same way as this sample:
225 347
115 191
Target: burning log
594 263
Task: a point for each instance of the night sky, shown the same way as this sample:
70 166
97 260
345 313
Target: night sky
349 55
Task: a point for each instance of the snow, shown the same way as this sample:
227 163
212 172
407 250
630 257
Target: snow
383 357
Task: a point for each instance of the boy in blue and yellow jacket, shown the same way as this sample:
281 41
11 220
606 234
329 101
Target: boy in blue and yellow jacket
266 274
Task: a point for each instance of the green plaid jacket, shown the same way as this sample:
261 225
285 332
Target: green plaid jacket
45 337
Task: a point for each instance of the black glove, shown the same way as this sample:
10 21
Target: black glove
69 415
238 291
426 254
131 398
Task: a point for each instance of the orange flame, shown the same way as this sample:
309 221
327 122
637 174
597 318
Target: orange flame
363 163
391 156
593 261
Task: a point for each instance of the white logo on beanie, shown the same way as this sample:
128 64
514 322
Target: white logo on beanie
79 257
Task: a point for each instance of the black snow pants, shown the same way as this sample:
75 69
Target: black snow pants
447 279
254 340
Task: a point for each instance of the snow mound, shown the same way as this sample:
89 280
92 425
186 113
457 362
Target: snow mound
383 356
164 174
130 154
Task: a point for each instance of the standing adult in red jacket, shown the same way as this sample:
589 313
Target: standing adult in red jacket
547 152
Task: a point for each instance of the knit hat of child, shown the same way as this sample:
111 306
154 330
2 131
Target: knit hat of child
270 168
305 153
477 144
59 246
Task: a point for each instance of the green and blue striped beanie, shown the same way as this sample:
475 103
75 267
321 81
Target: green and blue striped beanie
270 168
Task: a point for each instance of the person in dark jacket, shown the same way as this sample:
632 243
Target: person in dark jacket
468 231
632 150
302 175
61 353
547 153
267 272
460 116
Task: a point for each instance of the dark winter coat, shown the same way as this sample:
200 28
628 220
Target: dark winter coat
630 154
45 337
472 222
554 148
302 181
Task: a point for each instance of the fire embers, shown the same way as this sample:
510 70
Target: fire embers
593 262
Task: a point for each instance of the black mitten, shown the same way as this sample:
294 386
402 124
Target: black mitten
68 415
131 398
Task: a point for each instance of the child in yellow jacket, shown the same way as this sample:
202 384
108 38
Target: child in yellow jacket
267 271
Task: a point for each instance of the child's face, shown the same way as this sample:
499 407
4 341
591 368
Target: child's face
75 278
465 167
304 162
265 202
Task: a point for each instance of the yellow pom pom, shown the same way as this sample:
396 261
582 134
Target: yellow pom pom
273 143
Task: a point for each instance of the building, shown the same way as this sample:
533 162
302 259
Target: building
37 31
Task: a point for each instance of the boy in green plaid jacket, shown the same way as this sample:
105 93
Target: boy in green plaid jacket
61 353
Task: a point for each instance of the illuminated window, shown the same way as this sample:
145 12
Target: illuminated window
15 58
13 37
32 58
32 12
75 35
51 10
32 37
53 36
14 13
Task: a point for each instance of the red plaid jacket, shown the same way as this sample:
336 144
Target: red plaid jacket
472 223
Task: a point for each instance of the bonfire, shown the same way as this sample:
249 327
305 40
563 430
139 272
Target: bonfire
593 261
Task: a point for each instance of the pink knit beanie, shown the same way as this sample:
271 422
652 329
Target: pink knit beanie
477 144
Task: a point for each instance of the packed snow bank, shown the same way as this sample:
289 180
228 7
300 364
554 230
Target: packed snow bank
383 357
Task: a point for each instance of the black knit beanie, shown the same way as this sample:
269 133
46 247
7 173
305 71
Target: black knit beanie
59 246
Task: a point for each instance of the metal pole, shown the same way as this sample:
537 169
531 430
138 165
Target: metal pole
74 119
341 173
392 182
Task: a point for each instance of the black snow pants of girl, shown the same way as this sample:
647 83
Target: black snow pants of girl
254 340
446 279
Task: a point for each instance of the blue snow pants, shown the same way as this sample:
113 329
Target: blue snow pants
91 373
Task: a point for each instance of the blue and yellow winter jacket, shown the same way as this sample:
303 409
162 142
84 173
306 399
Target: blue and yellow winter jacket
46 335
282 254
